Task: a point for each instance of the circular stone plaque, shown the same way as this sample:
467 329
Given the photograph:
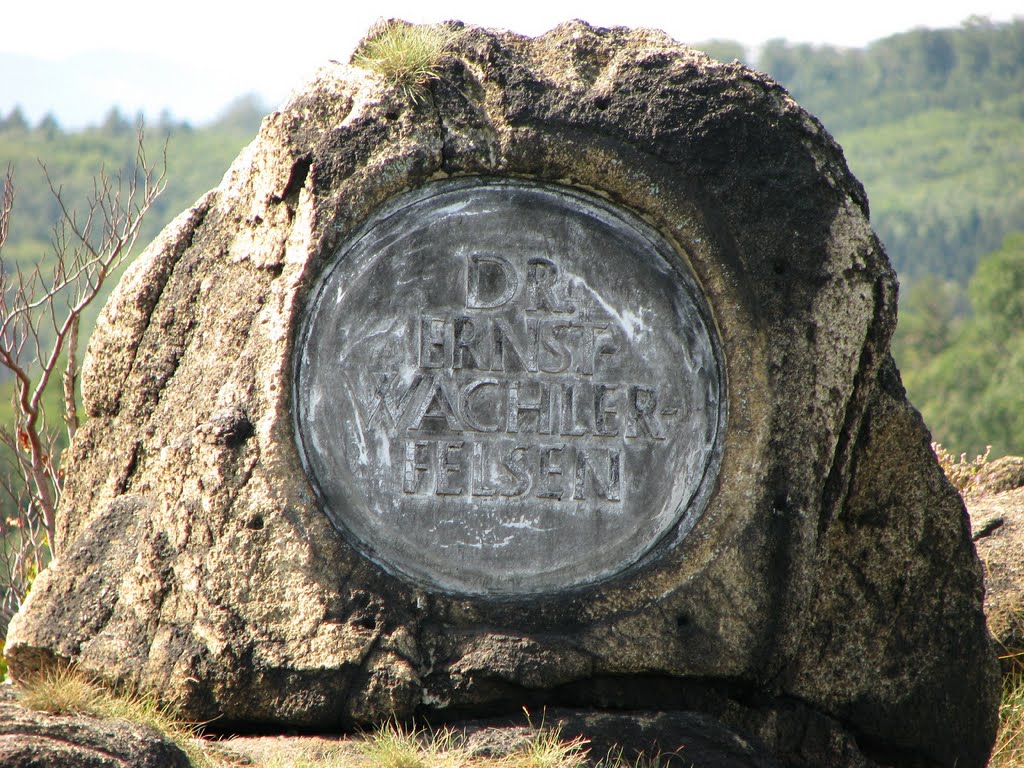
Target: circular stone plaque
508 388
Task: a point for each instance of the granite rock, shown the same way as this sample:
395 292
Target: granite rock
829 574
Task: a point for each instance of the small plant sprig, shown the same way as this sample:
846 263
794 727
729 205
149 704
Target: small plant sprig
962 472
408 56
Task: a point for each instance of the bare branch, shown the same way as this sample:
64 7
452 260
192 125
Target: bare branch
70 381
7 205
40 316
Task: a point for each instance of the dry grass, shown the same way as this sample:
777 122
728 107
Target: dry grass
1009 748
63 691
66 691
393 746
408 56
547 749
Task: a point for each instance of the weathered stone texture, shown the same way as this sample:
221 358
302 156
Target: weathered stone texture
832 567
880 603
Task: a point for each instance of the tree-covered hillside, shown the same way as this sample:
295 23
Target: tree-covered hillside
970 384
196 160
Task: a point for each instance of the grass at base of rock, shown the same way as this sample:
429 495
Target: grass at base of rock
1009 749
548 749
394 746
63 690
66 691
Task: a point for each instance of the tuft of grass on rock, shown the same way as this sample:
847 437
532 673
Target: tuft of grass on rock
64 690
408 56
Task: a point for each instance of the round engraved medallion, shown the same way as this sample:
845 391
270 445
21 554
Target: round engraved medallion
508 388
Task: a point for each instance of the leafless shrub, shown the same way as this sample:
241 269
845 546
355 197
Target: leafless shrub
40 313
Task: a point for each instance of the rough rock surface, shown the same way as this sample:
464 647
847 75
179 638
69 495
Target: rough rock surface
831 576
996 504
30 739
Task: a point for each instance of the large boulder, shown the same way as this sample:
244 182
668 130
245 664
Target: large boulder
772 544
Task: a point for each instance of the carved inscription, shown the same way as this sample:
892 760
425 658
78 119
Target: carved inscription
508 388
503 407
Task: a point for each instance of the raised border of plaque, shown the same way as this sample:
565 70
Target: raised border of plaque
504 387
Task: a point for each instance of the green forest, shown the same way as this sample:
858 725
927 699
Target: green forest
931 121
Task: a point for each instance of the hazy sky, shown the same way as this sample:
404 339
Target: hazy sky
199 54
